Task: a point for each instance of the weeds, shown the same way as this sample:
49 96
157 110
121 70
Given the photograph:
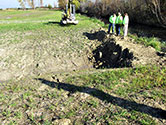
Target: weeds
128 84
18 114
121 82
153 41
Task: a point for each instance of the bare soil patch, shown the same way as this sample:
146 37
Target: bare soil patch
116 52
43 53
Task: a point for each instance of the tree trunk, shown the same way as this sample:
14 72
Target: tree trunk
41 3
155 7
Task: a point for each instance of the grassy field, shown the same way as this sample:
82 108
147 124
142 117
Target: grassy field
89 96
31 39
98 97
37 21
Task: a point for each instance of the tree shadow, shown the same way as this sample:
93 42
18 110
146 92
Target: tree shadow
126 104
99 35
52 23
58 23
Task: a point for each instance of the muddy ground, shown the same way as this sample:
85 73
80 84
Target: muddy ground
33 62
42 53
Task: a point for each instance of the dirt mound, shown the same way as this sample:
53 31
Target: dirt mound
115 52
143 55
110 55
99 35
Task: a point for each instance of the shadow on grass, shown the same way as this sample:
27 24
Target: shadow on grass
52 22
126 104
58 23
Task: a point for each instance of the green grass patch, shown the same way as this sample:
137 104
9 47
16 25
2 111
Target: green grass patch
36 20
126 80
146 81
152 41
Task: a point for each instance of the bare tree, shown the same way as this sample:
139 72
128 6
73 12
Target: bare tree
157 8
62 3
22 3
140 11
41 3
31 3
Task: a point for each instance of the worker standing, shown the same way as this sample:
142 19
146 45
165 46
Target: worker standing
112 23
126 24
119 22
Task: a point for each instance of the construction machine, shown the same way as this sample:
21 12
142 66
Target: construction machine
68 16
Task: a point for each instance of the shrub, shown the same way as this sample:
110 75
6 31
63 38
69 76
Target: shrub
49 6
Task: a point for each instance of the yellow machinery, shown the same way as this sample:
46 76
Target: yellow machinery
68 17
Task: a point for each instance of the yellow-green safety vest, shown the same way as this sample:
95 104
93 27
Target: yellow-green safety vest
119 20
112 19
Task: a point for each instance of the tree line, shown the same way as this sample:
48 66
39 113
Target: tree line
31 3
61 3
152 12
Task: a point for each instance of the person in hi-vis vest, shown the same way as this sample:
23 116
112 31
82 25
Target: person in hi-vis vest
112 23
125 23
118 22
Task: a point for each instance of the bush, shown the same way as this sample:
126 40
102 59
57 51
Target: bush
49 6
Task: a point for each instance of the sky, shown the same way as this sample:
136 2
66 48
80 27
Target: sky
14 3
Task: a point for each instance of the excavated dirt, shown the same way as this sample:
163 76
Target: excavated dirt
143 55
110 55
103 51
116 52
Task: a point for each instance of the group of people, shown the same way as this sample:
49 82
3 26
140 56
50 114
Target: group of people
116 22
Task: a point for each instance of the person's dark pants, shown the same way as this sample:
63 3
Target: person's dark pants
109 28
118 29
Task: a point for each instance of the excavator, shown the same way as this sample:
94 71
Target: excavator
68 16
